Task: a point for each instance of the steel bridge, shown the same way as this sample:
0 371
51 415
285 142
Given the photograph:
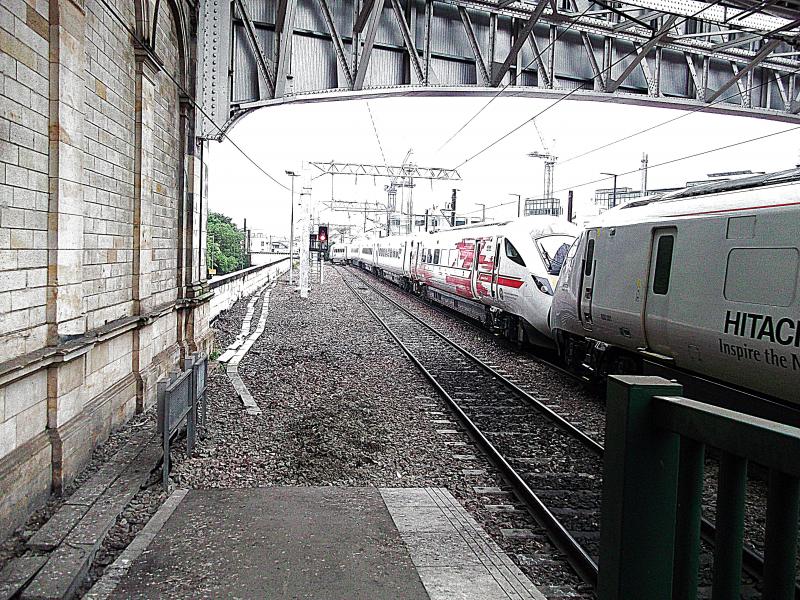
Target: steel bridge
734 57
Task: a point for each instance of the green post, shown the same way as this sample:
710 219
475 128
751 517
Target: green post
640 464
729 526
780 554
687 528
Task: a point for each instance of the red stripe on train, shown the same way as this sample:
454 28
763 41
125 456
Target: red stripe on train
509 281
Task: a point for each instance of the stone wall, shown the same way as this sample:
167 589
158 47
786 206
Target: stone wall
229 288
101 228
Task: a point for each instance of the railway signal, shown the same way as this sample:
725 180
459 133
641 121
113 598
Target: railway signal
322 234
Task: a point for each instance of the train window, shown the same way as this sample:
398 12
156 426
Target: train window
436 256
663 264
553 250
511 252
775 270
589 258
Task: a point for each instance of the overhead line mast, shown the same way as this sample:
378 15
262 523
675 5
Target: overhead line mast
399 176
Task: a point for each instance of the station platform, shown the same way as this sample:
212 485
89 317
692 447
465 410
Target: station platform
314 543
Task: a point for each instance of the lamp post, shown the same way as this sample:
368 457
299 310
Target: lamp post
614 192
291 174
519 204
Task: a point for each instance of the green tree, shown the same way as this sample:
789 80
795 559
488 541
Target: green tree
225 242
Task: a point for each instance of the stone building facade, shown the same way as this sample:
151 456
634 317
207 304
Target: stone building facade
102 275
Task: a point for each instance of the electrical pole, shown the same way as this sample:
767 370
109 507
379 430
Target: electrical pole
614 192
644 173
453 208
291 174
519 204
569 207
483 211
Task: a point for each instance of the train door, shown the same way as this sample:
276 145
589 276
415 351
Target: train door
656 310
495 272
588 271
483 268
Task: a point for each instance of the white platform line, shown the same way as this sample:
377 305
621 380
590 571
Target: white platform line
243 346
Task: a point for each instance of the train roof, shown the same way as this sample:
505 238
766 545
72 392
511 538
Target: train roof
707 198
718 187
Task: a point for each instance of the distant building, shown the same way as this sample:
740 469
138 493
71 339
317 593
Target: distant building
604 197
261 241
543 206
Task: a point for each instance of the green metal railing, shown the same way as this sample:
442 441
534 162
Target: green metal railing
652 493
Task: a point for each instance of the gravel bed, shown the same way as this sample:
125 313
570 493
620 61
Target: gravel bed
341 405
579 403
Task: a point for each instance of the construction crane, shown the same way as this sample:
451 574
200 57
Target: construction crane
549 164
391 192
549 168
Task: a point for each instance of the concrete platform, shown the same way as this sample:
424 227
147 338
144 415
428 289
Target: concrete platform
314 543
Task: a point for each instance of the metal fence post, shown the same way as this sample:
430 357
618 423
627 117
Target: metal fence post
640 465
191 418
163 425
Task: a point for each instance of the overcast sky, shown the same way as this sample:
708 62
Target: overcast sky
284 137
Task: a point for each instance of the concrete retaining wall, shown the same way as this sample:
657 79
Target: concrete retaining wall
229 288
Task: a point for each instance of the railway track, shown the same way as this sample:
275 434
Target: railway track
505 421
553 467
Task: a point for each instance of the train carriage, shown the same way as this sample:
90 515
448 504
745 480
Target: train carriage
502 274
703 281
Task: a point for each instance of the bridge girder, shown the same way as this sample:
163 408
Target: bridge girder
265 52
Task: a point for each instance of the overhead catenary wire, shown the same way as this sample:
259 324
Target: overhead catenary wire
375 130
672 120
687 157
656 165
572 22
141 43
571 92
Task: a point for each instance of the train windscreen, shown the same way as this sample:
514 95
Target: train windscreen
553 249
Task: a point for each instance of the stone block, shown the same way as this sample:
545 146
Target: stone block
5 302
8 436
53 532
70 376
28 298
36 22
24 482
31 422
15 48
29 259
61 576
14 321
70 406
34 277
21 135
24 393
12 280
12 217
17 573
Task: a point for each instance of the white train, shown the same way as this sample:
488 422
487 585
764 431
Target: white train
703 281
338 253
502 274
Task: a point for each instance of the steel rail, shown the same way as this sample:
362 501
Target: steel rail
538 405
752 563
577 557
